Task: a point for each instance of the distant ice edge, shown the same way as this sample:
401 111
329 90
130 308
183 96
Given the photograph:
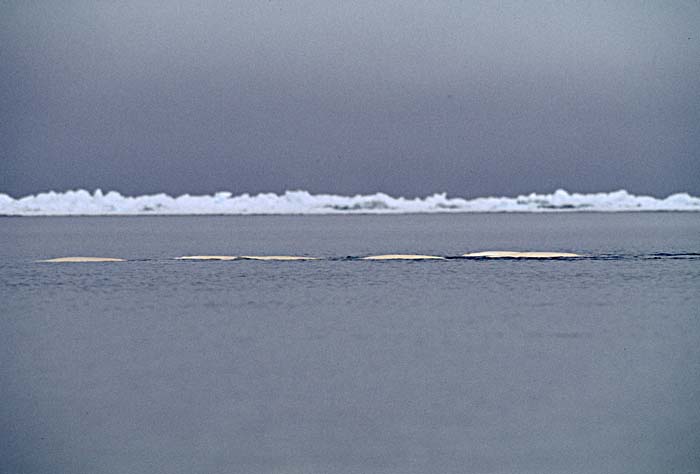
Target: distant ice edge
81 202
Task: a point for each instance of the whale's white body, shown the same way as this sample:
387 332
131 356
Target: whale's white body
276 257
82 259
398 256
510 254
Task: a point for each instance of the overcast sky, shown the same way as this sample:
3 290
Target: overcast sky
410 98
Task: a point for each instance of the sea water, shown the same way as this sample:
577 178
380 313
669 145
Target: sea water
341 365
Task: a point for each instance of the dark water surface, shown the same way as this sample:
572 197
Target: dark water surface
585 365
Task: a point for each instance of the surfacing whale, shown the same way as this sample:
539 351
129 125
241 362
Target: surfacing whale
81 259
275 257
399 256
511 254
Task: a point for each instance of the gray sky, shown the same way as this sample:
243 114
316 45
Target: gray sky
410 98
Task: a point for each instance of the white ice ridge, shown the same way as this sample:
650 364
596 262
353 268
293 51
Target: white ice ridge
81 202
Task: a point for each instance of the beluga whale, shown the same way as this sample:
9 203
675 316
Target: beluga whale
81 259
279 258
512 254
401 256
207 257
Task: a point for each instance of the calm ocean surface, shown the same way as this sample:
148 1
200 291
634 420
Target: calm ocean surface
587 365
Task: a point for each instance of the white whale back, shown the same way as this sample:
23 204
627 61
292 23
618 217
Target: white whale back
81 259
511 254
399 256
275 257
